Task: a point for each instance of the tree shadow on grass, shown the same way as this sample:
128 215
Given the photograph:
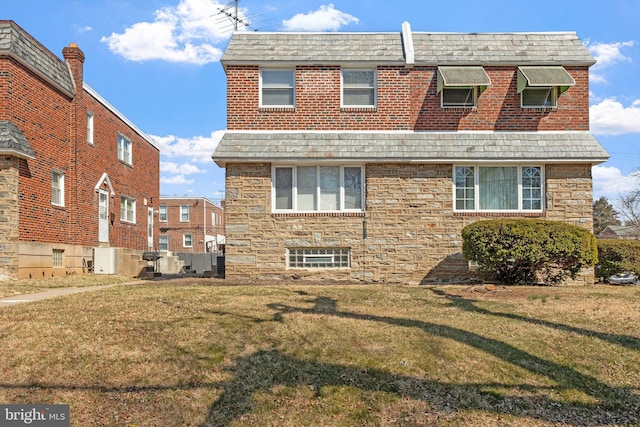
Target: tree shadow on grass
470 305
264 370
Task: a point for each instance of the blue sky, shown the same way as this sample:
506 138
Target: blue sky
157 62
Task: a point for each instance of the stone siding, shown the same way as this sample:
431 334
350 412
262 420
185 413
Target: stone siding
408 234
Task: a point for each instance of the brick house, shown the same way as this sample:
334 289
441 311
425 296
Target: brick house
75 174
190 224
361 156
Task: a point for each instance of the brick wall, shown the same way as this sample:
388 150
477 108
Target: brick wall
200 223
55 127
407 100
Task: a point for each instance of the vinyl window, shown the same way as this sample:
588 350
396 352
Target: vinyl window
277 88
498 188
163 242
89 127
359 88
184 213
187 240
162 213
57 188
127 209
124 149
318 188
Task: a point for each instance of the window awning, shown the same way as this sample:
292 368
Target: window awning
462 76
536 76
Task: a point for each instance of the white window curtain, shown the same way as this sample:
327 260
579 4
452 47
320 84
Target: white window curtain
352 188
498 188
307 188
329 188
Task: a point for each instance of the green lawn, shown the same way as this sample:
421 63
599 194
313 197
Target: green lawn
197 353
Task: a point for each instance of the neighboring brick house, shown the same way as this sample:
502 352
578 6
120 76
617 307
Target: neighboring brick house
190 224
75 174
361 156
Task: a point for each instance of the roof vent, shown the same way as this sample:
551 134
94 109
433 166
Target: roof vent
407 42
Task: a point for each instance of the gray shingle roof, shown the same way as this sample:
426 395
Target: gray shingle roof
387 48
15 42
13 142
448 147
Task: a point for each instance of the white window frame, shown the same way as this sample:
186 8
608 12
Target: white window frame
128 209
553 93
184 213
90 127
344 86
267 87
163 242
474 94
520 189
57 258
57 188
125 149
190 240
163 213
318 195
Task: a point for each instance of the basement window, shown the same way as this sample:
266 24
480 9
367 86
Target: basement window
319 258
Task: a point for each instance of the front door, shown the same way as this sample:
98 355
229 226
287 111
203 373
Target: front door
150 228
103 216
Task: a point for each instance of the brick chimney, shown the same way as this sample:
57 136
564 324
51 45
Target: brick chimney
75 58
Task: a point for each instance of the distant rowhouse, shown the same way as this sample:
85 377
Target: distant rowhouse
76 176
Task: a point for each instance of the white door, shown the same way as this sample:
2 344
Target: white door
103 219
150 228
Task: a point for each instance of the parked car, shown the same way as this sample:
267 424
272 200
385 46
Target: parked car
624 278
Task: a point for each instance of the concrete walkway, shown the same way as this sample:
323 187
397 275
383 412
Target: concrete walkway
55 293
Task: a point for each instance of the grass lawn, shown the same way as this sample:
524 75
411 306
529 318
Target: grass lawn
200 353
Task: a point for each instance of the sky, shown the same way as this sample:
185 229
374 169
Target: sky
158 63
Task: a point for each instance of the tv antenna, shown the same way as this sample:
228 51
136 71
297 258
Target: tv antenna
230 11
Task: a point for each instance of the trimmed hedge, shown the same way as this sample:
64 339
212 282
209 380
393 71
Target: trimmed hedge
528 251
616 256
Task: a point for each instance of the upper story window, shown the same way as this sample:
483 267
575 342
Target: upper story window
358 88
277 88
318 188
459 86
127 209
540 86
89 127
498 188
184 213
57 188
162 213
124 149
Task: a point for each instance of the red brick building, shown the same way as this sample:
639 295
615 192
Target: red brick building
75 174
190 224
362 156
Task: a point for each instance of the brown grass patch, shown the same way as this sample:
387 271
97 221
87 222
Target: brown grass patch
198 353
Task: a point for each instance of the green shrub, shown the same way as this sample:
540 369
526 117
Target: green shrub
526 251
616 256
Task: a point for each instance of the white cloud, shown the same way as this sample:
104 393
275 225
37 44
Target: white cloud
608 181
177 179
175 168
197 149
187 33
326 18
606 54
610 117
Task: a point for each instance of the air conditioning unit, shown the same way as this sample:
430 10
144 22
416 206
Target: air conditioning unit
106 261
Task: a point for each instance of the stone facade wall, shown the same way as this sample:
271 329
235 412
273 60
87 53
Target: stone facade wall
407 234
9 184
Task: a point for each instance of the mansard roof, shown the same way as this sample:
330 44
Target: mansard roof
18 44
401 146
408 48
13 141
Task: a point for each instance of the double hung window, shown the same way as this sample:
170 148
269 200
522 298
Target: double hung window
318 188
162 213
498 188
184 213
127 209
539 86
163 242
358 88
277 88
124 149
57 188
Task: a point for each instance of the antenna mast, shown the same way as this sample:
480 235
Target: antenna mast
233 15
